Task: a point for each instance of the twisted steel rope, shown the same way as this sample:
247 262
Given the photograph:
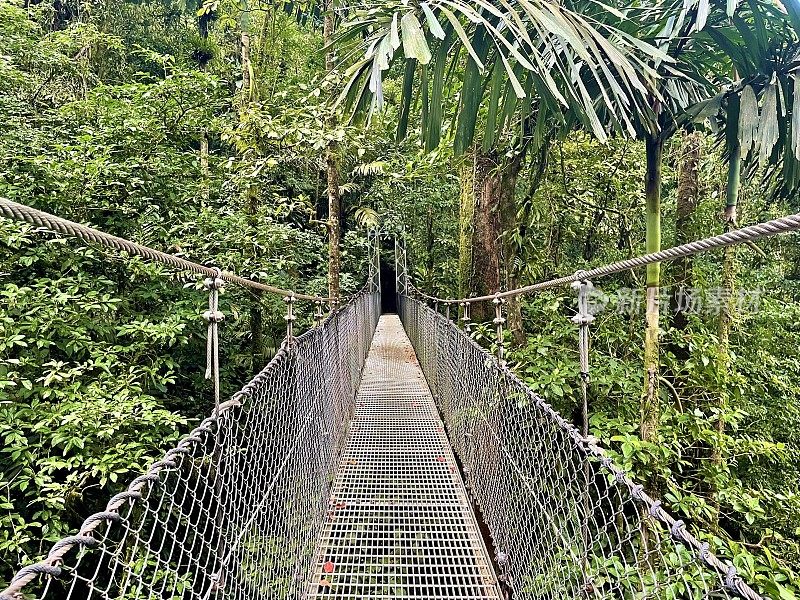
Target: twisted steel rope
21 212
746 234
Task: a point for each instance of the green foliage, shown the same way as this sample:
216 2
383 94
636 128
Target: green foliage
748 501
574 68
101 356
107 117
79 390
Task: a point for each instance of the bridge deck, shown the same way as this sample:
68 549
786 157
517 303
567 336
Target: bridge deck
400 524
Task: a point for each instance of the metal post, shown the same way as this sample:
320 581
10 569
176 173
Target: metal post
399 266
405 264
396 271
374 267
290 319
319 315
465 316
498 322
377 262
213 317
583 319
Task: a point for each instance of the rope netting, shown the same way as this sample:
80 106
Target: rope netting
235 510
565 522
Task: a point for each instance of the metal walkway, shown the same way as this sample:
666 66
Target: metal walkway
399 524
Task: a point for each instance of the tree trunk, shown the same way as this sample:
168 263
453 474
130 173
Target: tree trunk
508 223
430 259
332 166
488 210
204 170
256 316
650 409
247 82
466 227
686 204
650 404
487 191
727 305
202 28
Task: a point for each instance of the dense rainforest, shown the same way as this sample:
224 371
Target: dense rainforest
506 142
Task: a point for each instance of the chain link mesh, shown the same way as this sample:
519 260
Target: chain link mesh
235 510
565 522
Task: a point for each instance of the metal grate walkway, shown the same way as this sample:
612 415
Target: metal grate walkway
399 523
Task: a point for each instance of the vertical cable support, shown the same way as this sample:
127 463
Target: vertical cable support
465 316
583 318
498 323
213 316
290 319
319 314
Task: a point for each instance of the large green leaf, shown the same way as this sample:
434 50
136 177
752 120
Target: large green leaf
432 127
768 124
406 98
471 94
459 29
578 66
433 22
795 131
496 90
414 43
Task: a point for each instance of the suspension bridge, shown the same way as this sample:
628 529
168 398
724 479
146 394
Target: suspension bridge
383 456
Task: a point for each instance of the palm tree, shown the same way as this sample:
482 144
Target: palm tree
531 49
534 67
757 115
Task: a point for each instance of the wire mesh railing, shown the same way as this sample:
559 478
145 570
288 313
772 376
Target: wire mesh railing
235 510
565 522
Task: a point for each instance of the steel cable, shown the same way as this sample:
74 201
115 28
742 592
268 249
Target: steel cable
751 233
21 212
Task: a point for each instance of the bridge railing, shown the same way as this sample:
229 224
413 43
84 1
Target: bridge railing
235 510
564 520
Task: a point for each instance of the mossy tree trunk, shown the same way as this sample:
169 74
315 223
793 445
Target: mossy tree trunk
508 223
256 312
332 168
487 211
487 190
202 29
686 204
727 310
466 227
650 405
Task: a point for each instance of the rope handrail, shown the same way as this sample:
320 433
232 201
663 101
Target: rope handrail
751 233
21 212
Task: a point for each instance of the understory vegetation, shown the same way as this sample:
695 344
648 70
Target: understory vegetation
267 138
